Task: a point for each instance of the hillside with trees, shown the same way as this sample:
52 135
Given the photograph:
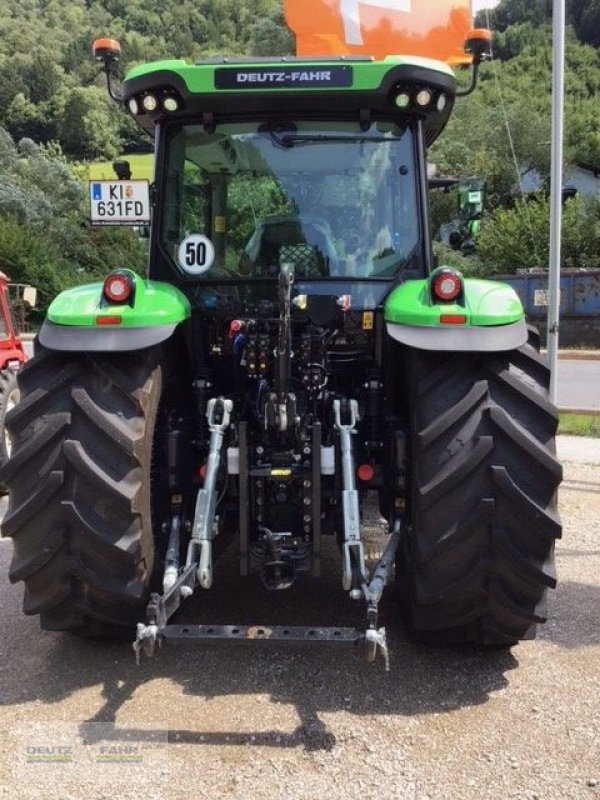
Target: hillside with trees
54 113
502 132
49 85
582 15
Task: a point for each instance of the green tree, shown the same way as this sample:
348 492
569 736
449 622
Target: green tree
270 36
43 78
588 26
518 238
45 238
12 81
584 15
89 126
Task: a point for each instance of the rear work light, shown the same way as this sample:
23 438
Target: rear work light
447 285
118 287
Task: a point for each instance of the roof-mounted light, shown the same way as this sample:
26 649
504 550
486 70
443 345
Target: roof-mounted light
106 50
479 44
402 100
149 103
170 104
423 98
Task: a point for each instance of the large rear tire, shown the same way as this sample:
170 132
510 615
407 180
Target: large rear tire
478 558
79 479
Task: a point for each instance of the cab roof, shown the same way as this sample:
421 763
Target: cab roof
227 89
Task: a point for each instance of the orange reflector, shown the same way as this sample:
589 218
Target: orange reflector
453 319
109 320
365 472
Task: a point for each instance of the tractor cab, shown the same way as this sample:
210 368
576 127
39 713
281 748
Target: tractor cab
333 200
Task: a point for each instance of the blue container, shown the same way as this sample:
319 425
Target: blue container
579 292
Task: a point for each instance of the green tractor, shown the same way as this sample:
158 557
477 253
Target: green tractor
291 354
471 197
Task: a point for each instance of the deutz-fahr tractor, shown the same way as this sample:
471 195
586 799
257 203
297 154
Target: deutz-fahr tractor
471 193
293 353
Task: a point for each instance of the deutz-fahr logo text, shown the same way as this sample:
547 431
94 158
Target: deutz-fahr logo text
289 78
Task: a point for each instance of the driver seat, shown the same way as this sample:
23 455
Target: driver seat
302 242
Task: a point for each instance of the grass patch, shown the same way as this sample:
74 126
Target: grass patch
579 425
142 168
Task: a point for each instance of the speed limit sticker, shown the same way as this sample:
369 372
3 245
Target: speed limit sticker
196 254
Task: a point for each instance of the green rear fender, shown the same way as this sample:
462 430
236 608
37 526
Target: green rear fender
487 317
82 319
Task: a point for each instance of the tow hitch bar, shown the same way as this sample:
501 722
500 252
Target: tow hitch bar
162 607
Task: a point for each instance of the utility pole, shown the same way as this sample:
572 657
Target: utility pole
558 90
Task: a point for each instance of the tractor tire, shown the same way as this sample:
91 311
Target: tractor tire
9 397
479 554
79 480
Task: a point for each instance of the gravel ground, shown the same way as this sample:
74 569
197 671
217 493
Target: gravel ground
251 724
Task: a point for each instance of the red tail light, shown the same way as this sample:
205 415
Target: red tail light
118 287
447 285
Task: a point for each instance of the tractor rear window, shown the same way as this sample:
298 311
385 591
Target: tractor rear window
331 200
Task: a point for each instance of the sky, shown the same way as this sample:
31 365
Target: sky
479 4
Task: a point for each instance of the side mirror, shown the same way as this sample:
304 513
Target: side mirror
122 170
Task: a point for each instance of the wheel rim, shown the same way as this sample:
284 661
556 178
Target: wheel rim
13 399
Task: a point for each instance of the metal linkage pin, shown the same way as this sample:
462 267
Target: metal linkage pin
145 640
377 640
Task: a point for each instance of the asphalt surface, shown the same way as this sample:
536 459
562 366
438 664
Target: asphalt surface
80 720
579 384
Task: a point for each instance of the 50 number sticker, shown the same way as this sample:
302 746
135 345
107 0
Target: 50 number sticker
196 254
